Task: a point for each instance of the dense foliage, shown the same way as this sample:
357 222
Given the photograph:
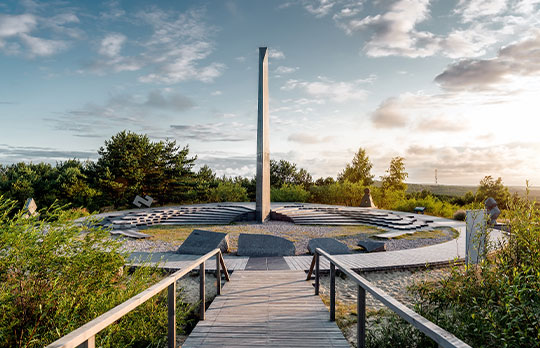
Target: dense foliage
131 164
286 173
359 171
56 275
289 193
493 304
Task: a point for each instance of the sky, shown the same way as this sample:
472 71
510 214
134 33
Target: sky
449 85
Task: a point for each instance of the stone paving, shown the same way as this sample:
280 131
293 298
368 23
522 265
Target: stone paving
438 254
394 224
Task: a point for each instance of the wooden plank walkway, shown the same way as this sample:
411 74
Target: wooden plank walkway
267 309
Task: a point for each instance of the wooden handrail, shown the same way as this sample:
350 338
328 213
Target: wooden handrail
442 337
84 336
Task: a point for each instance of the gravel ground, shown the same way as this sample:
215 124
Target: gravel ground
394 283
299 234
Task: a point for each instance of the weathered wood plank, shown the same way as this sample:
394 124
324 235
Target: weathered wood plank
267 308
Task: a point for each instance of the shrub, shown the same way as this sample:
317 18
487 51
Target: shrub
55 277
228 191
433 205
460 215
341 193
494 303
289 193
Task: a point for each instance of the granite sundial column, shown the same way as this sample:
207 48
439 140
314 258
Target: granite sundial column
263 143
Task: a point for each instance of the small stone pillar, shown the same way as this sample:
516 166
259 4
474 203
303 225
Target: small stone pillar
367 200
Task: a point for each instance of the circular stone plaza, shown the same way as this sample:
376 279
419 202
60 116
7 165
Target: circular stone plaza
407 240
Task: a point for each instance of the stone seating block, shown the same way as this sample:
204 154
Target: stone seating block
200 242
330 245
259 245
372 246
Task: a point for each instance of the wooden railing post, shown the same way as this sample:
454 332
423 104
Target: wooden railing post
332 291
201 290
361 316
171 315
316 273
89 343
218 274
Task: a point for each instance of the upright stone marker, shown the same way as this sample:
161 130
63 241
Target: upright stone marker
30 207
262 206
475 236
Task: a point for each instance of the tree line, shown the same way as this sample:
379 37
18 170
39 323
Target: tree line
130 164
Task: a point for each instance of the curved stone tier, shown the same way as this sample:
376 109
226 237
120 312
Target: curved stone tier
189 215
392 223
337 215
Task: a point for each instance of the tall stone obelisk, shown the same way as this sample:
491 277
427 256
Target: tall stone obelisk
263 144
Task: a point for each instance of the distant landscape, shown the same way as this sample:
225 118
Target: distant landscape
460 190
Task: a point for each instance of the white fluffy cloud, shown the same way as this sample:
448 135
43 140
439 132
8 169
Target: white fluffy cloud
519 60
328 89
276 54
401 27
25 28
111 45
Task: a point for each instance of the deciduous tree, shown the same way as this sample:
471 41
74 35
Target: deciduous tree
359 170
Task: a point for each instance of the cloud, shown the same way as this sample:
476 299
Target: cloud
276 54
14 154
219 131
12 25
517 60
319 8
422 112
118 112
328 89
176 50
394 32
216 93
182 42
474 9
174 101
29 30
111 45
400 27
225 163
305 138
285 69
472 163
441 124
389 115
113 11
42 47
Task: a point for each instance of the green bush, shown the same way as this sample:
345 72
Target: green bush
289 193
340 193
228 192
497 302
56 275
433 205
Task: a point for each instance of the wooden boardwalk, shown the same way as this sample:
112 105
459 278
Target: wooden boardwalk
267 309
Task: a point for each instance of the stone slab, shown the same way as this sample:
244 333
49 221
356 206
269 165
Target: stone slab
264 245
131 233
200 242
275 263
330 245
372 246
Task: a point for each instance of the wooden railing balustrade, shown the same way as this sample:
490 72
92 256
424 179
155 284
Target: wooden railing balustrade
85 336
442 337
